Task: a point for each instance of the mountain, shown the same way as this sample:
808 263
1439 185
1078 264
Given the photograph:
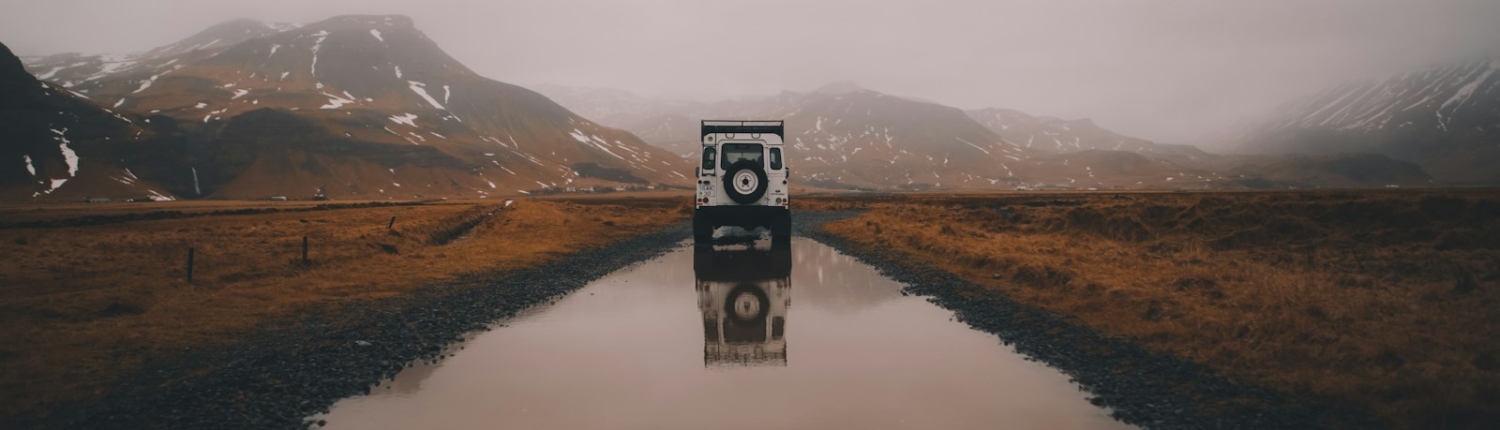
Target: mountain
78 72
614 107
1445 119
1330 170
56 144
868 139
1055 135
840 87
1110 169
356 107
846 136
672 132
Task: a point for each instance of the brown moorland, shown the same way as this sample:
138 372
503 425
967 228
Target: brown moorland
82 307
1380 301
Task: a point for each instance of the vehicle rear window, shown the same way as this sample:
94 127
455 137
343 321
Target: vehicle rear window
708 158
734 152
775 158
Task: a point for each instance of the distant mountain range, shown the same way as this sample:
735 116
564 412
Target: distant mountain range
1445 119
367 107
847 136
351 107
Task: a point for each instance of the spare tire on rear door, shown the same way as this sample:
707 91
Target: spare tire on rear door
745 181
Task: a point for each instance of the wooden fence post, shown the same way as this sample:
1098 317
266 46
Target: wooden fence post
392 224
190 265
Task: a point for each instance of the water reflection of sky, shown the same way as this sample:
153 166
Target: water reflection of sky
628 351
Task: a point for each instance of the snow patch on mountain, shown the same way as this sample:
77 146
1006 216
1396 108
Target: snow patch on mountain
146 84
321 35
1463 93
419 88
69 157
408 119
594 141
986 151
335 102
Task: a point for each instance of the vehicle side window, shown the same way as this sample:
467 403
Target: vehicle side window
708 158
775 158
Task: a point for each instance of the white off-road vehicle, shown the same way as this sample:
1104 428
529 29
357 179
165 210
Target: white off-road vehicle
742 180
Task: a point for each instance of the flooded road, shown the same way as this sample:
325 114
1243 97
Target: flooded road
730 339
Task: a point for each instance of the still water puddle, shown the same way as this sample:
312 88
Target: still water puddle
805 338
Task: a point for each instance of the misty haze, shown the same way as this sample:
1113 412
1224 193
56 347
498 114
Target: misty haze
675 214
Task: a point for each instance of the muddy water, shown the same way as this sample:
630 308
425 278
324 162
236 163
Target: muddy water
730 339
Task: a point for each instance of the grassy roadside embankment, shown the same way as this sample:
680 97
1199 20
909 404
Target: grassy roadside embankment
84 307
1378 301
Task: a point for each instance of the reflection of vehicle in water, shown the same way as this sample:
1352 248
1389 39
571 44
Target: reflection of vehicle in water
744 296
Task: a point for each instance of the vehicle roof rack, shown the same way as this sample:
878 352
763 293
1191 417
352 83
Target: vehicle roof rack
711 126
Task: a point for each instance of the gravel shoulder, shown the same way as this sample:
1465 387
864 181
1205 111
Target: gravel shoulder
293 369
1141 388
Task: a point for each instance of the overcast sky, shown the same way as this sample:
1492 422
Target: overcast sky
1168 70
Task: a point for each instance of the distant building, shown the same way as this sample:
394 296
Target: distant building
278 198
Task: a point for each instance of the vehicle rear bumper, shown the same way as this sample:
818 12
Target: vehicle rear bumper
747 216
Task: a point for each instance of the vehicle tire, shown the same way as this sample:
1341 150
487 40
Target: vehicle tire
745 182
703 229
747 303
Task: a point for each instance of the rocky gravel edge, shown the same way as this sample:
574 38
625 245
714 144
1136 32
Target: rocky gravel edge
1142 388
289 371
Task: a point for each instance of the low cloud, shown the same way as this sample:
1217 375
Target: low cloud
1169 70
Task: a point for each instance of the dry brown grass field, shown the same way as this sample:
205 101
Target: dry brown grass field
1381 301
83 306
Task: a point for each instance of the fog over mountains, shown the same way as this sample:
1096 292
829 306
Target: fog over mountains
1162 70
371 107
849 137
1447 119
